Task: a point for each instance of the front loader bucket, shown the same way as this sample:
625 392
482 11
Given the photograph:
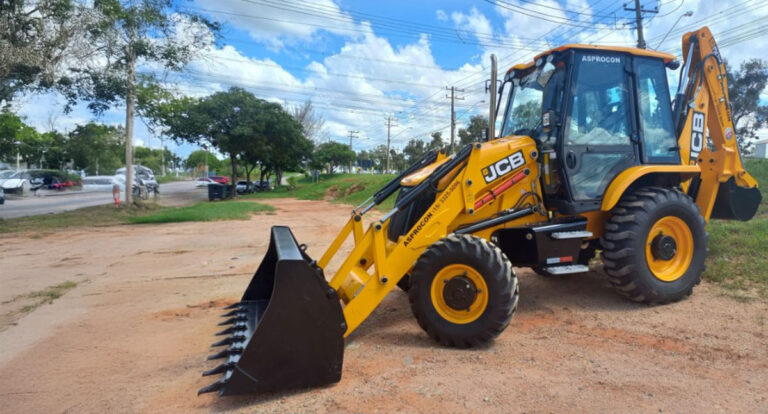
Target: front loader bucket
287 330
736 203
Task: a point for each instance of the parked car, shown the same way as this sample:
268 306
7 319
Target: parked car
145 177
103 183
264 185
18 182
2 196
245 187
220 179
57 184
202 182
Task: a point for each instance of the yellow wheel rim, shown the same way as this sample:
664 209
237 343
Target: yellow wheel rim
665 268
449 289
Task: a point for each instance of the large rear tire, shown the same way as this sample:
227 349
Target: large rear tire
654 245
463 291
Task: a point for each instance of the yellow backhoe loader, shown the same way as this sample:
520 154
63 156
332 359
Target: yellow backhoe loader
592 154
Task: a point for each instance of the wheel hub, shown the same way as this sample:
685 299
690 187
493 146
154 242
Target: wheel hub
663 247
459 293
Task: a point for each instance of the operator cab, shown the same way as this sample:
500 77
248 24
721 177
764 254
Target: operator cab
593 112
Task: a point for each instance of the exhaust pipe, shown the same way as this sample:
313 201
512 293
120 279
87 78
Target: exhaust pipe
492 90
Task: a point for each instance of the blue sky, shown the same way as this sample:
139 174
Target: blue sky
362 61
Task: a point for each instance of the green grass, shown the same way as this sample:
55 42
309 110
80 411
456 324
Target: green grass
106 215
737 257
146 213
37 298
170 178
223 210
340 188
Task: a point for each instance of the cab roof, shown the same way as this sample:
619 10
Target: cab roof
666 57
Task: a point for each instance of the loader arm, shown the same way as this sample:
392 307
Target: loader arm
702 108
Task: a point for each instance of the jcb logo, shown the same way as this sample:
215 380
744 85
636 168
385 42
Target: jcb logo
697 135
503 166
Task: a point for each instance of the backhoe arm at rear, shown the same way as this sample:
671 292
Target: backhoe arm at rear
706 133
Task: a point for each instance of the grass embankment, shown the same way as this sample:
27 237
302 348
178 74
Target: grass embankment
107 215
737 250
223 210
340 188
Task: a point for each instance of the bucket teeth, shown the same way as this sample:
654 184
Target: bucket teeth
230 340
225 353
231 329
211 388
233 320
225 341
219 370
233 312
233 306
222 354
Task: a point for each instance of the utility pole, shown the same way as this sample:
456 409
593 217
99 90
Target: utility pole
389 139
352 134
639 21
162 153
453 97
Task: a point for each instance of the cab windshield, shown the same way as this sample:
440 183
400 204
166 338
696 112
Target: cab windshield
522 115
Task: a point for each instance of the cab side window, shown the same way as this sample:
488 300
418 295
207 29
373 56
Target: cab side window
659 142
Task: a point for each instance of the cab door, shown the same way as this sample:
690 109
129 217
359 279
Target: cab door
599 138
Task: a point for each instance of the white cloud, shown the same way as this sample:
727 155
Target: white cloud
275 22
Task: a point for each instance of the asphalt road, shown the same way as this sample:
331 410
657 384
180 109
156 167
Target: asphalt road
173 193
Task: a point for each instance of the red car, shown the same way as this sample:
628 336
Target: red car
220 179
57 184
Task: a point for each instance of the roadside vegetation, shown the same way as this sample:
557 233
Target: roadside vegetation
737 257
339 188
107 215
224 210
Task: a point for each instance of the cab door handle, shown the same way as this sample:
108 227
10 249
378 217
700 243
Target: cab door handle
570 160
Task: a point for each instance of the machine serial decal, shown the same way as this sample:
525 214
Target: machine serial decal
503 166
697 135
424 220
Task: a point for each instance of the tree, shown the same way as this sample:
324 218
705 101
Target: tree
239 125
473 132
13 130
153 158
414 150
379 157
96 148
312 122
54 155
197 160
283 144
149 33
333 154
436 143
39 39
744 89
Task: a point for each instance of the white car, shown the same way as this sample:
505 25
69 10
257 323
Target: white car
144 175
18 182
102 183
203 182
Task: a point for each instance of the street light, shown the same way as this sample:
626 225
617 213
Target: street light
689 13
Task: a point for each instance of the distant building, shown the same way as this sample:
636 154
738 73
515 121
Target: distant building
761 149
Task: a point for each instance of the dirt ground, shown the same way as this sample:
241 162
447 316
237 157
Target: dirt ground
133 335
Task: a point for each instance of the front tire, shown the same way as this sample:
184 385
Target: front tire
655 245
463 291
